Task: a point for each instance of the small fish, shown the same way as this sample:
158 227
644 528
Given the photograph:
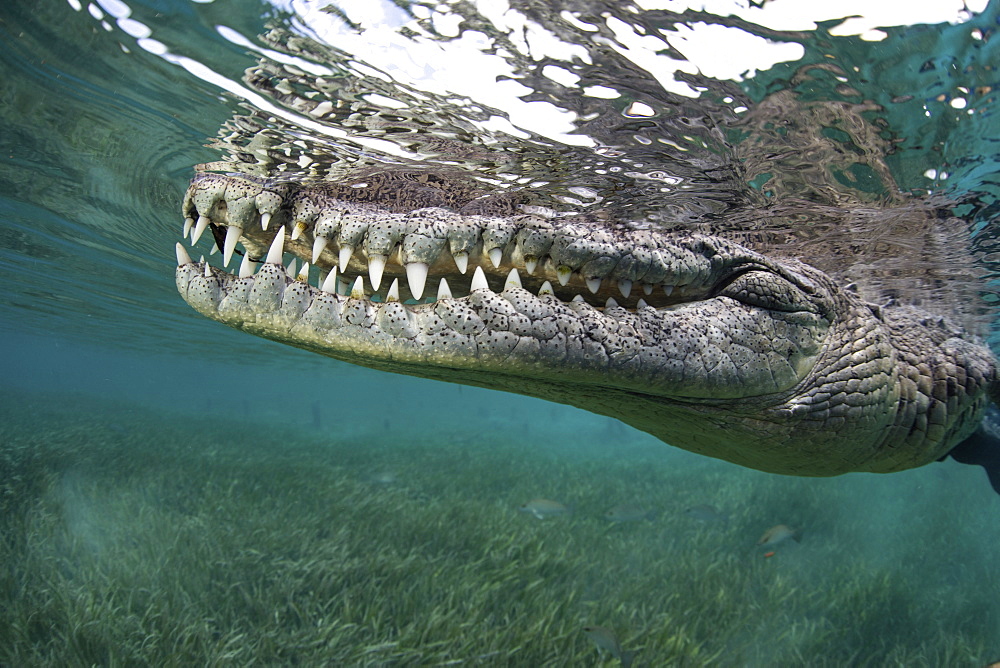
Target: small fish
607 641
779 534
626 512
768 555
542 508
706 513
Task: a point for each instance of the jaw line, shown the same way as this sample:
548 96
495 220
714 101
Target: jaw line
572 254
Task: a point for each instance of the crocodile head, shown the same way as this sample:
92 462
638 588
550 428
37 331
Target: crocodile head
700 341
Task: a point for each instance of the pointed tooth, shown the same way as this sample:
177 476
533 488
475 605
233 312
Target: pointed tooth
199 229
479 280
641 304
513 280
563 273
594 284
647 288
208 271
416 276
277 248
319 245
265 220
297 229
625 287
345 256
201 259
444 292
233 234
579 299
247 266
393 294
461 261
496 254
214 250
611 303
290 269
330 282
546 289
188 224
303 274
182 256
376 265
530 264
358 289
668 289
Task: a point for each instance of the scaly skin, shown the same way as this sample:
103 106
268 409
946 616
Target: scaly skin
707 345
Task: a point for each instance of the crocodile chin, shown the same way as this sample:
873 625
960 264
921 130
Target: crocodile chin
693 338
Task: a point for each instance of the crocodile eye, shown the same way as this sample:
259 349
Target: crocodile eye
767 290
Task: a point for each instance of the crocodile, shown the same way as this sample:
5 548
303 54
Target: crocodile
705 343
751 285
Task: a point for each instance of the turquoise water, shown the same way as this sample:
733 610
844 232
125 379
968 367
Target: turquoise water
112 385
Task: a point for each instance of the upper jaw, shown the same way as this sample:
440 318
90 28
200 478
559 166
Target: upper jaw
542 251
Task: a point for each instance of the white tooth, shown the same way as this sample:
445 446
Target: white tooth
393 294
668 289
641 304
479 280
290 269
345 256
594 283
330 282
182 256
265 220
579 299
530 264
215 249
358 289
496 254
319 244
208 271
416 276
444 292
647 288
625 287
277 248
232 236
563 273
199 229
247 266
201 259
297 230
303 274
611 303
376 265
461 261
188 224
546 289
513 280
